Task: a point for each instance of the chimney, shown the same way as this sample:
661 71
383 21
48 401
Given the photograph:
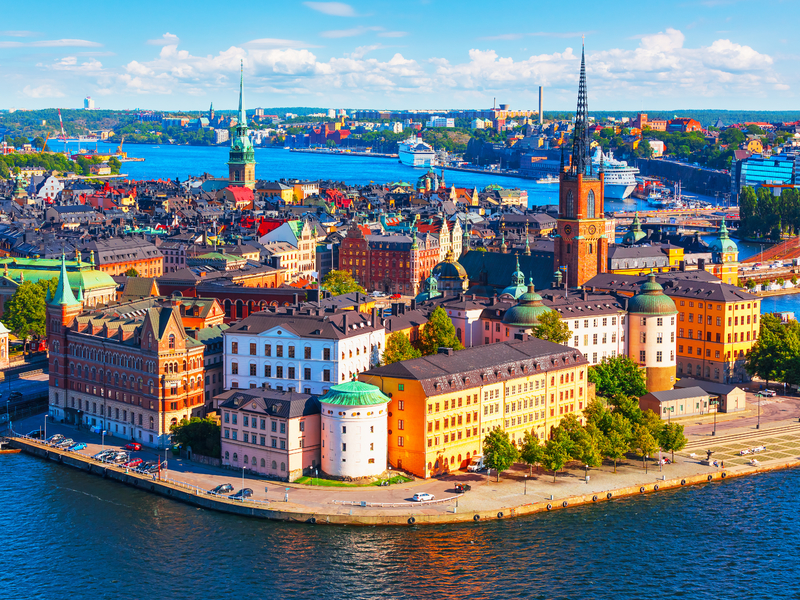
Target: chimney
701 264
585 294
682 265
345 314
296 299
445 351
413 304
541 105
374 317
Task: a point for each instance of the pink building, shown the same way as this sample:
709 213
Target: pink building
270 432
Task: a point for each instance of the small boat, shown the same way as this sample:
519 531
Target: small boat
548 179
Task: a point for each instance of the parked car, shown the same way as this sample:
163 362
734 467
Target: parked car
133 463
118 458
463 487
104 454
133 446
476 464
422 497
64 443
35 434
241 494
378 294
54 439
15 396
150 466
768 393
222 488
395 296
77 446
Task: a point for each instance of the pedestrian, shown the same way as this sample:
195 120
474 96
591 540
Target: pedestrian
722 464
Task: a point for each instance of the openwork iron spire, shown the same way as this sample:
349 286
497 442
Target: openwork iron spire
581 161
242 111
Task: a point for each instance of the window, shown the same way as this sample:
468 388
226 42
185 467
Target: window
253 349
267 371
252 370
401 405
326 354
279 372
658 356
291 373
279 350
234 368
307 352
401 424
306 373
268 350
234 347
291 351
171 341
642 356
326 375
401 441
590 212
401 387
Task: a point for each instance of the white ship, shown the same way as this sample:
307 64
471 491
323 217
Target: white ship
620 179
413 152
548 179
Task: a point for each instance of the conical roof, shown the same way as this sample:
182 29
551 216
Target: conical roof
724 243
517 287
635 233
64 295
354 393
651 300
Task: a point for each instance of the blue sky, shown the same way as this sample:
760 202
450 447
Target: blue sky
171 55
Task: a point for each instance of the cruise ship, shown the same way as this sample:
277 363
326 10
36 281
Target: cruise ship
413 152
620 179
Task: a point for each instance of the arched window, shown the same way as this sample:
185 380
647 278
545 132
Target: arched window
590 205
570 205
227 455
274 465
235 457
283 466
245 459
263 463
152 423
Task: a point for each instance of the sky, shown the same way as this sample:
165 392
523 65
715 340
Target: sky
414 54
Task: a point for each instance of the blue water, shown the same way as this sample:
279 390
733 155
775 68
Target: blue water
66 534
169 162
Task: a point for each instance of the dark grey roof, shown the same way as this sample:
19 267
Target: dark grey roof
690 392
694 285
274 403
715 389
311 324
482 365
494 269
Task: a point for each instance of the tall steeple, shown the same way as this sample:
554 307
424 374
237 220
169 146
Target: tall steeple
242 158
580 136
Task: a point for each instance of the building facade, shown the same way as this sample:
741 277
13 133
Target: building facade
242 157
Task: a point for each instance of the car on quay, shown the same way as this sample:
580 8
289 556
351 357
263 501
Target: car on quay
55 439
74 447
222 488
133 463
422 497
241 494
150 466
36 434
121 457
463 487
767 393
133 446
103 454
64 443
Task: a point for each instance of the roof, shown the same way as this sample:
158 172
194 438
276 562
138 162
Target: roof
651 300
695 285
482 365
669 395
354 393
714 389
281 404
307 323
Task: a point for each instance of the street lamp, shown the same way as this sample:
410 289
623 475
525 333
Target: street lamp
715 404
669 414
102 439
526 485
586 473
242 483
758 423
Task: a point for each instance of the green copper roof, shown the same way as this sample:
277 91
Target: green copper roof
63 295
354 393
724 243
651 300
527 311
635 233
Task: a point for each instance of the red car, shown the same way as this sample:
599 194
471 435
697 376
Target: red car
395 297
133 463
133 446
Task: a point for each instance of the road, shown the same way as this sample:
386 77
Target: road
778 408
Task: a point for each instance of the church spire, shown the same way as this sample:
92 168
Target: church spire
580 135
242 111
64 295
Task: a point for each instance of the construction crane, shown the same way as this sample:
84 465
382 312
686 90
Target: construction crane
46 137
63 132
119 148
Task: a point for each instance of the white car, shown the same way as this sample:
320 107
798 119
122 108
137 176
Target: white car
422 497
377 294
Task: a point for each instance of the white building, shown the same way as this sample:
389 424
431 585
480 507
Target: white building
221 136
331 113
354 430
88 103
441 122
303 349
300 236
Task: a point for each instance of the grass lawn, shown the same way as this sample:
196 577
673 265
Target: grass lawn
333 483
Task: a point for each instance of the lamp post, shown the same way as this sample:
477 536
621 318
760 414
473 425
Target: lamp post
526 485
242 483
715 404
586 473
758 423
669 414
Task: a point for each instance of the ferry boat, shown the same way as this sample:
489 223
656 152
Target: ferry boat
620 179
413 152
548 179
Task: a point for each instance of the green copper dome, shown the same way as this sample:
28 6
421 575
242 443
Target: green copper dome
354 393
635 234
527 311
430 289
651 300
723 243
517 287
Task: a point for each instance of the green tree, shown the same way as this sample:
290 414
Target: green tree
617 439
530 450
553 328
597 414
731 136
498 451
25 312
554 456
618 377
672 438
399 348
588 445
132 272
341 282
644 442
202 435
438 332
653 423
768 356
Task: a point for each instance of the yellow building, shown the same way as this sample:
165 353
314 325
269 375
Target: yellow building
444 405
755 146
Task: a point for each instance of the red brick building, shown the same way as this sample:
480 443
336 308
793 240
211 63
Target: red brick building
683 125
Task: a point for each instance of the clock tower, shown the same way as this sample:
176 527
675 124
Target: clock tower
581 244
242 157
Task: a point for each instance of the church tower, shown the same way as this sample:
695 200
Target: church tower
242 157
581 244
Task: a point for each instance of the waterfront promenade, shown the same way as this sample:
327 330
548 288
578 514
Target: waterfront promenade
519 491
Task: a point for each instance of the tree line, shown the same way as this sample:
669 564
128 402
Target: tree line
776 354
763 214
614 426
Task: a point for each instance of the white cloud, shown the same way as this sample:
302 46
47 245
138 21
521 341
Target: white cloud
343 33
335 9
65 42
393 34
20 33
43 91
70 63
168 39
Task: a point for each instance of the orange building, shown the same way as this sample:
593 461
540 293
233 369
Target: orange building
117 255
444 405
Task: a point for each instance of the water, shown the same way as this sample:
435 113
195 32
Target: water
169 162
64 533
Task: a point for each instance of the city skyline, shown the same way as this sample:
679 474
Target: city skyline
427 54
